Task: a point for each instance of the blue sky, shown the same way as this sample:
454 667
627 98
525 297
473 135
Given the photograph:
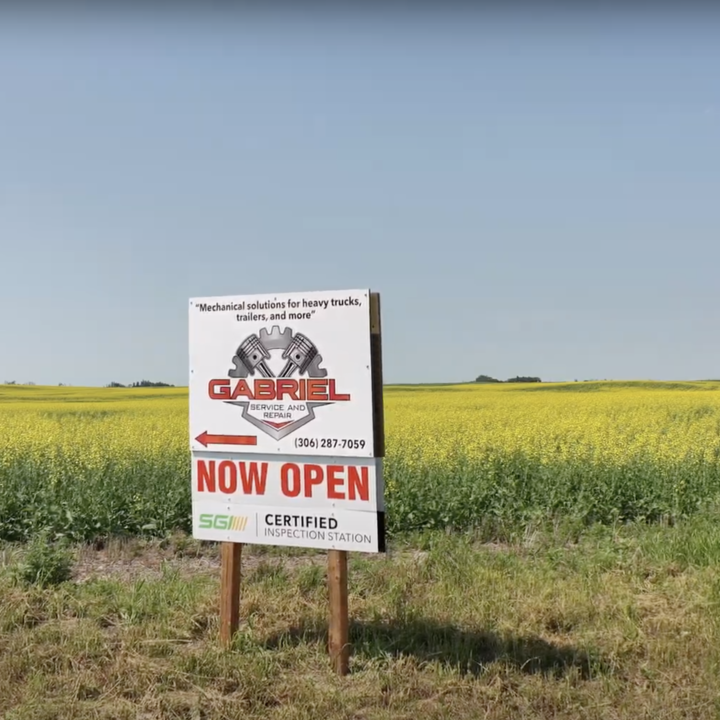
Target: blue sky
530 194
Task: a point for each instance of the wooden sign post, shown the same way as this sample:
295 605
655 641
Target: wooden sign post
230 558
338 635
306 405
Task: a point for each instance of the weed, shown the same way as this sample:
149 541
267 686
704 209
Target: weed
47 562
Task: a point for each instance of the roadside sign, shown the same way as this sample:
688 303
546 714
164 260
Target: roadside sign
287 434
297 527
284 373
288 482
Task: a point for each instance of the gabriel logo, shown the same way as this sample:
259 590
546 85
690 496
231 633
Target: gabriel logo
277 404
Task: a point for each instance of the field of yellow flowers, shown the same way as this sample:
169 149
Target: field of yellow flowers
492 458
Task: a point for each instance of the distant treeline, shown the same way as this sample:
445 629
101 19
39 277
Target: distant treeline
517 379
142 383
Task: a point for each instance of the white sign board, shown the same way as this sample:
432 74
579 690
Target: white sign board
297 527
288 483
281 421
285 374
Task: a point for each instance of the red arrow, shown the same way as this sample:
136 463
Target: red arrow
206 439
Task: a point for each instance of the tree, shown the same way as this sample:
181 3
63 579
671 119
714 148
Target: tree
139 384
520 379
147 383
486 379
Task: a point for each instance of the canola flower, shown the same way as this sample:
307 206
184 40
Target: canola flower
89 462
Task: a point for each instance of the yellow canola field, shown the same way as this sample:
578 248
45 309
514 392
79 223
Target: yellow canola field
95 461
601 423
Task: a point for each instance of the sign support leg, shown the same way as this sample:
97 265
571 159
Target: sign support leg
339 645
231 554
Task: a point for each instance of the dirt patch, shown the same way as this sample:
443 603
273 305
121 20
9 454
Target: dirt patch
131 560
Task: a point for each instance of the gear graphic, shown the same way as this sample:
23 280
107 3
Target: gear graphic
301 356
301 353
276 340
250 356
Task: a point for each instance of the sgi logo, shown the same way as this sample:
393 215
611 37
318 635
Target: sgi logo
223 522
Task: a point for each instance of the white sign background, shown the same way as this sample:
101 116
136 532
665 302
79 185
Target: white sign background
355 531
318 499
342 337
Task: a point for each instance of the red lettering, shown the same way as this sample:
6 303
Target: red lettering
227 476
359 483
206 476
219 389
316 390
264 390
242 388
287 387
312 390
250 477
313 475
332 395
335 478
286 471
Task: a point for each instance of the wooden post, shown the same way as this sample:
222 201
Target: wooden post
338 636
377 375
231 554
377 397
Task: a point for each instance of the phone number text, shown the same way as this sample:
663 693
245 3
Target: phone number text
329 443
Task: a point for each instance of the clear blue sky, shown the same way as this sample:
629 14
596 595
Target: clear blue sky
531 194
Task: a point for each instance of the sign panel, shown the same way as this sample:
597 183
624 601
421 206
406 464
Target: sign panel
282 420
288 482
285 374
298 527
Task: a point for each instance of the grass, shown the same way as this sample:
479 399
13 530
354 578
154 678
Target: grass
554 554
620 624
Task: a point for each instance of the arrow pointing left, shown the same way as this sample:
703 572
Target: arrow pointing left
206 439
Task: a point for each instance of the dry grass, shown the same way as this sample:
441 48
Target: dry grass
623 624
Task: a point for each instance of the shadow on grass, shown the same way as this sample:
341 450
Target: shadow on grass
468 651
